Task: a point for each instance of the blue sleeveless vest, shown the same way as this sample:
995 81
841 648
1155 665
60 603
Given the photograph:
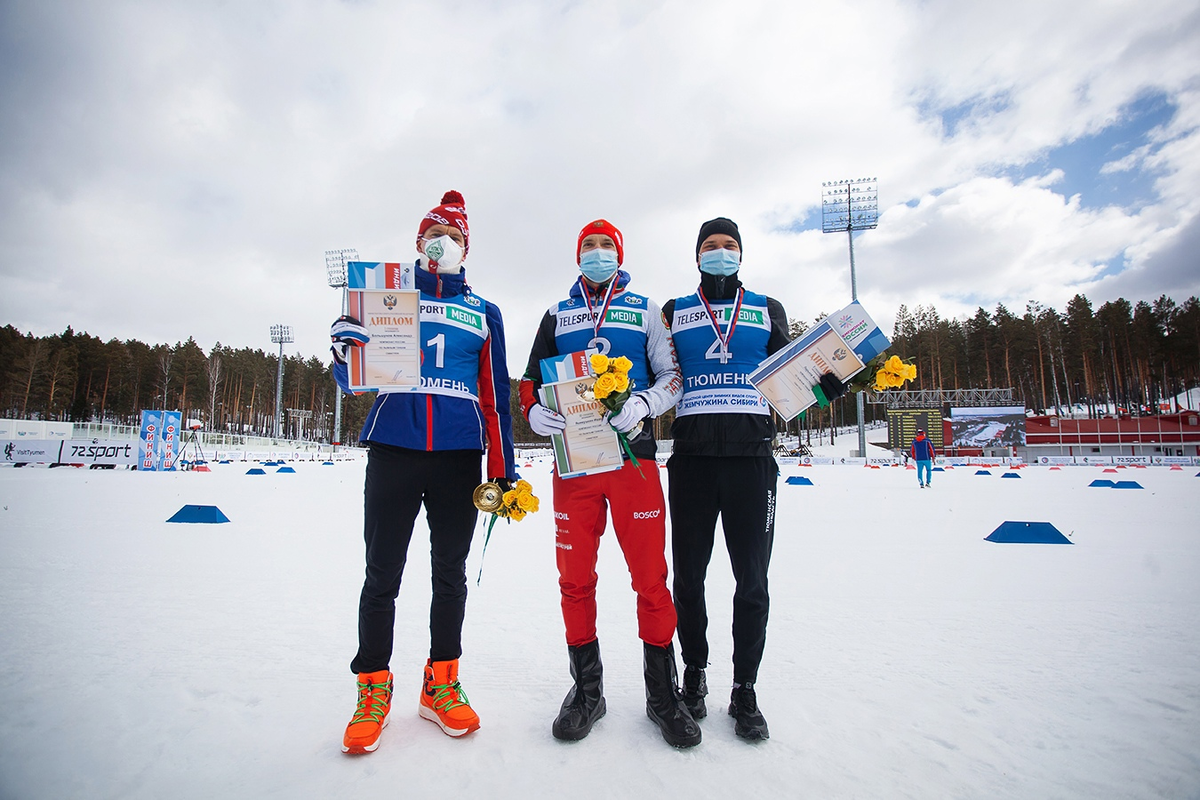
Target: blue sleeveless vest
716 382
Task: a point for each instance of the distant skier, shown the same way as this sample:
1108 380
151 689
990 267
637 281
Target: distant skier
425 450
923 452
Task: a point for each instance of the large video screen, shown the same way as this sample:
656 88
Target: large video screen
998 426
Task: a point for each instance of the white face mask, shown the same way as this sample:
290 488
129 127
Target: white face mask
443 255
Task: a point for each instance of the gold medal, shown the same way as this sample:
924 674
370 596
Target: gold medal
488 497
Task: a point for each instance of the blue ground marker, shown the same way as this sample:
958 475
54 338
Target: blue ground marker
1027 533
199 514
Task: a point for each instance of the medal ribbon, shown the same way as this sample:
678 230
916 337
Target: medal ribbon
716 326
597 321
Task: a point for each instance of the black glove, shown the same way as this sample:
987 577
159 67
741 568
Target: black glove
504 483
829 389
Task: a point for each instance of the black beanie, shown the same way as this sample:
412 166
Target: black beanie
718 225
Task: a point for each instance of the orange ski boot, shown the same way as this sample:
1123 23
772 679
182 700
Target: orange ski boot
371 716
443 700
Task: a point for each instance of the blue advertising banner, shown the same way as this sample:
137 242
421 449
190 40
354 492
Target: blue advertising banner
148 441
158 441
169 442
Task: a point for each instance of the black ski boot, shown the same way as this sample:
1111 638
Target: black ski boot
748 721
695 689
584 703
664 703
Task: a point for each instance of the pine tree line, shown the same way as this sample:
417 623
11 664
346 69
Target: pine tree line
80 378
1128 355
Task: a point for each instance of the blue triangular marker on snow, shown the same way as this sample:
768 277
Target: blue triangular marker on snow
286 469
1100 483
1127 485
982 472
1027 533
799 480
199 514
1010 475
256 471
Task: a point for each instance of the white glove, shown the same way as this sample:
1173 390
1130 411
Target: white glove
634 411
546 422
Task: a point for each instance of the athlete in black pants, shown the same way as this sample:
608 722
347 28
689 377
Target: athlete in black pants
722 465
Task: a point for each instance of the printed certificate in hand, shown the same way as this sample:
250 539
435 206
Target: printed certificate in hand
786 379
589 444
842 343
383 298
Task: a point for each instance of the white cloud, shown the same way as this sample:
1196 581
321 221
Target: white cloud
183 167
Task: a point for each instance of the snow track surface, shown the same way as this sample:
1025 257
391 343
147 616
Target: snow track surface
906 656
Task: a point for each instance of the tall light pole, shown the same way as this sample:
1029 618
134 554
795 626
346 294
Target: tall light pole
335 270
851 205
280 334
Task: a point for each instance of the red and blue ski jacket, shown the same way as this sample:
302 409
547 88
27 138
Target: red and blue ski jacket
463 400
922 449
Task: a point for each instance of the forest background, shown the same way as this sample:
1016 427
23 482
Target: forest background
1128 355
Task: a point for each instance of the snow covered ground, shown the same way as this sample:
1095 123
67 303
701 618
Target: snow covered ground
906 657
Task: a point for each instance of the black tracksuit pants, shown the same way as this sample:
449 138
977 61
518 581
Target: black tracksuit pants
398 482
741 489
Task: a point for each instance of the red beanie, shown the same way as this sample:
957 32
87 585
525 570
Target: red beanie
452 211
609 230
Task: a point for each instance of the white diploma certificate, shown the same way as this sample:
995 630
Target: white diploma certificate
589 444
786 378
391 361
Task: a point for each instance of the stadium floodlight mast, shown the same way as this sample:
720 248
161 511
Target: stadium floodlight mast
281 335
851 205
335 269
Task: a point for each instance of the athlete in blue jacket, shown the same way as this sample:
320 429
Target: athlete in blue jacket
425 448
923 452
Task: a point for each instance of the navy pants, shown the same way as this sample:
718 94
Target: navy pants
741 490
398 482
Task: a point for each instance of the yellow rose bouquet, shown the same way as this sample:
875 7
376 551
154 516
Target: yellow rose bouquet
882 373
611 389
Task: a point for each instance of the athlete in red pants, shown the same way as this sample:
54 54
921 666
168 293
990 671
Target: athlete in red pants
580 506
600 314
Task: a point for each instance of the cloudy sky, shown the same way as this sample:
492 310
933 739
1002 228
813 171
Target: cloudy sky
174 169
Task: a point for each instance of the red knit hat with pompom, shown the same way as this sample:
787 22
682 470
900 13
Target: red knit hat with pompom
609 230
452 211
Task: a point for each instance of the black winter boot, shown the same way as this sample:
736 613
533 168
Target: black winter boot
584 703
664 703
748 721
695 689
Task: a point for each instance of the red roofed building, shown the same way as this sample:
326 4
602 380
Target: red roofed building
1162 435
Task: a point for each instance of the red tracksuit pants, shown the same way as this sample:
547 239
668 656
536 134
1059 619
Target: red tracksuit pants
639 519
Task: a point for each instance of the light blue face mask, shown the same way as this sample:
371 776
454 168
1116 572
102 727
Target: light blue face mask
598 265
720 262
